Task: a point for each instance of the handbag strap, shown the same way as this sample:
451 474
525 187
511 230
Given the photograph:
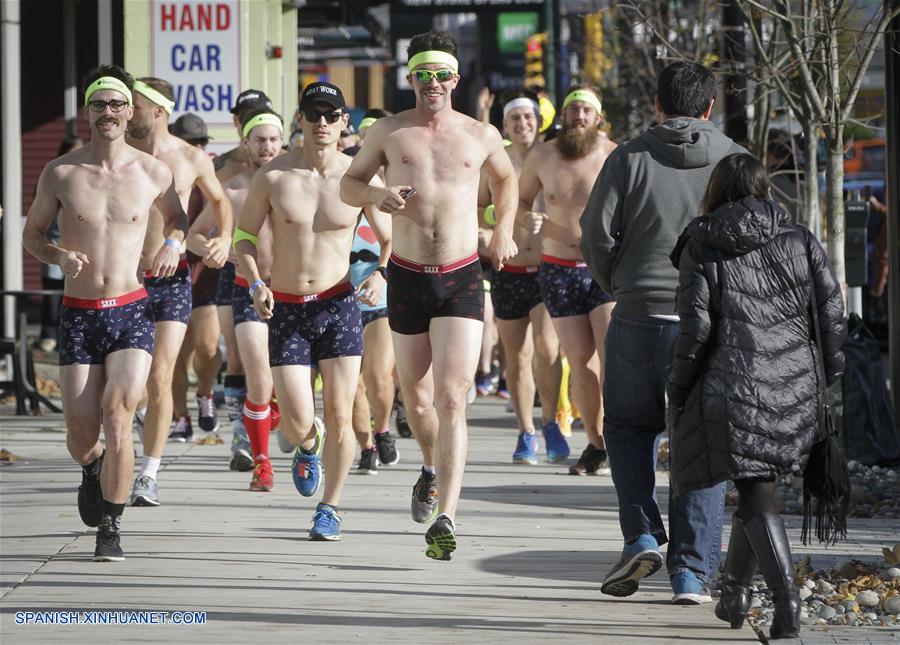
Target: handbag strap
815 308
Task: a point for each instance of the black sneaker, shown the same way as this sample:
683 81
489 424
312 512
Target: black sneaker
592 462
441 538
207 417
90 497
368 462
108 548
183 431
387 449
403 428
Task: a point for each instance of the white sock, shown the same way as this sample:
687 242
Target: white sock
429 469
150 466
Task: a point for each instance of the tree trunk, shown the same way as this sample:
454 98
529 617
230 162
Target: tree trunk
834 199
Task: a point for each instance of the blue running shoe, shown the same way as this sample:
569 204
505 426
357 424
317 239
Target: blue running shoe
326 524
526 449
307 469
639 559
557 446
688 589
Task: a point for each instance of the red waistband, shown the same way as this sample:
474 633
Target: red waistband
434 268
509 268
183 264
105 303
560 261
337 291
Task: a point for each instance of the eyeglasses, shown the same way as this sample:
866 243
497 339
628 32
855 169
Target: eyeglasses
115 105
313 116
425 75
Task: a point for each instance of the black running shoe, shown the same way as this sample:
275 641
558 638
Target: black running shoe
387 449
90 498
108 548
368 462
403 428
441 539
592 462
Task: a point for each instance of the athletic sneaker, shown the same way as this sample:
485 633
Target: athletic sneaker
90 497
400 421
108 548
526 449
484 384
387 449
592 462
424 505
307 469
263 478
441 538
241 456
639 559
326 524
183 432
688 589
368 462
207 418
557 446
144 492
502 390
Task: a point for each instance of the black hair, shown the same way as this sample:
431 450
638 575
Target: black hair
377 113
685 89
734 178
163 87
432 41
255 112
107 70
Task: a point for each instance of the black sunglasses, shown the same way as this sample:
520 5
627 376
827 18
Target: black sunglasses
115 105
313 116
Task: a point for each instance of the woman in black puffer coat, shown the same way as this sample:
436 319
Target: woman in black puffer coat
746 380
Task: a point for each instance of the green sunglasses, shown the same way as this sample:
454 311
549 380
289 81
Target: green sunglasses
425 75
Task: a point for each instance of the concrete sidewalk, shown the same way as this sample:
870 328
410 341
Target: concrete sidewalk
534 545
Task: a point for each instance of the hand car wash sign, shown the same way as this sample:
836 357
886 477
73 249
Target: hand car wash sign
196 47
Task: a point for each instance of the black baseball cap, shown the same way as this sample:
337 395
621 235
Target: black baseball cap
324 92
251 99
189 127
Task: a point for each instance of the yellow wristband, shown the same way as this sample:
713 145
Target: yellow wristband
241 234
490 217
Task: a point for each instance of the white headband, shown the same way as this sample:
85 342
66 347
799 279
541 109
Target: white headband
519 103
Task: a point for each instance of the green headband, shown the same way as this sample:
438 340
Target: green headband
365 123
154 96
433 57
263 119
585 96
107 83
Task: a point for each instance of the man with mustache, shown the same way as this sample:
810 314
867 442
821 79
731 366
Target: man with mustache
311 306
432 158
103 193
565 169
171 297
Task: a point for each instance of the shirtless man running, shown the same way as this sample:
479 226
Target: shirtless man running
529 342
104 192
435 289
565 169
237 159
171 297
311 306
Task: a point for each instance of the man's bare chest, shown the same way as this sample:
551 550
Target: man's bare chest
441 156
305 200
93 198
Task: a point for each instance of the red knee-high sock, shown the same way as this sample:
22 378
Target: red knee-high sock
258 421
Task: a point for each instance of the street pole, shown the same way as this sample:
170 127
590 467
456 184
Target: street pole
550 50
892 118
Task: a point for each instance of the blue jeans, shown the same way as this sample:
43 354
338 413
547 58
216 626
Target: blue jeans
638 359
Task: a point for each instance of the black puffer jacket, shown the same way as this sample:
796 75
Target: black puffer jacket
745 374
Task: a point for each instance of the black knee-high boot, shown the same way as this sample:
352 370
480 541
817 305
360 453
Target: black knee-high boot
769 541
740 565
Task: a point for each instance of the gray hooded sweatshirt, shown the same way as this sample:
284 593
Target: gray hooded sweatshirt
646 193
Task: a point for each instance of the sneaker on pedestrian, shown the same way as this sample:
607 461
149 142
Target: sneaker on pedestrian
424 505
502 389
388 454
593 461
307 468
144 492
207 417
241 452
441 538
557 446
90 497
326 524
509 406
688 589
484 384
263 477
400 421
108 547
183 433
368 462
526 449
639 559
